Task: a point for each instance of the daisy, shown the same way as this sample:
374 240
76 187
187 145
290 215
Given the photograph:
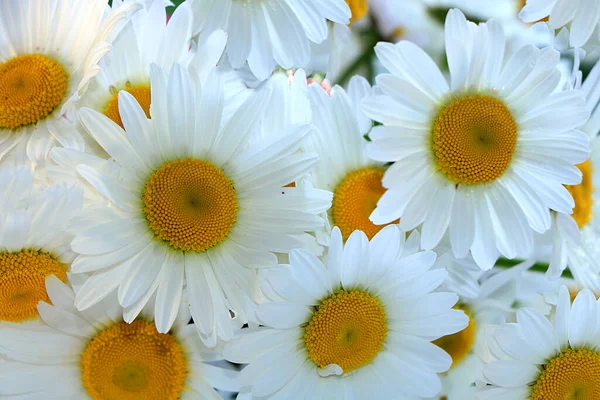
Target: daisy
269 33
96 355
582 19
34 240
49 51
365 321
485 157
192 204
536 358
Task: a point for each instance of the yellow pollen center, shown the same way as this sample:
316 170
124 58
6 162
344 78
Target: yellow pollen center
571 375
190 204
358 8
473 139
140 93
582 194
354 200
348 329
133 362
32 86
459 344
23 283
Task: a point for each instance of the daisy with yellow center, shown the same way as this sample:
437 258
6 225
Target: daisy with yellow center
46 64
34 241
537 358
484 157
192 203
98 356
368 316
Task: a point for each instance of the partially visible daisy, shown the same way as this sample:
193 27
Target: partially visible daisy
364 322
267 34
484 157
34 240
192 204
541 359
49 52
96 355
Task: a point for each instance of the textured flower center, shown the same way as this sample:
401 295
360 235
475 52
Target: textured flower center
133 362
473 139
190 204
358 7
582 194
32 86
347 329
571 375
354 200
23 282
459 344
140 93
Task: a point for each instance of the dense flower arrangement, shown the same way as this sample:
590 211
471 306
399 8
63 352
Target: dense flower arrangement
299 199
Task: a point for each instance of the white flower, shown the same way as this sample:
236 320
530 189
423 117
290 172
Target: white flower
540 359
96 355
49 51
485 157
365 322
269 33
192 204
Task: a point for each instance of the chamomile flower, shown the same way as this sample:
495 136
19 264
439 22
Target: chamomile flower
269 33
34 240
537 358
484 157
192 204
96 355
49 51
365 321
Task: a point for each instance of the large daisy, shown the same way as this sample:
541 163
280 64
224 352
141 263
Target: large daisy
192 204
34 240
269 33
484 157
540 359
365 322
96 355
49 51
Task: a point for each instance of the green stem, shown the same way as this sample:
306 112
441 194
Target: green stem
538 267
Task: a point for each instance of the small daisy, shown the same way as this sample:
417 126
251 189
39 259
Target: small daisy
96 355
49 51
485 157
192 204
365 322
540 359
269 33
34 240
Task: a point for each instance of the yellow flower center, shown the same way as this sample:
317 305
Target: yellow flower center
459 344
574 374
348 329
133 362
358 7
474 138
140 93
582 194
354 200
23 282
190 204
32 86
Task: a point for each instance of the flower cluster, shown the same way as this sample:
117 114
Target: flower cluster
299 199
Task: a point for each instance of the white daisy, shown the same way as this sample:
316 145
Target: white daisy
192 205
34 240
96 355
485 157
269 33
363 322
49 51
582 18
540 359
